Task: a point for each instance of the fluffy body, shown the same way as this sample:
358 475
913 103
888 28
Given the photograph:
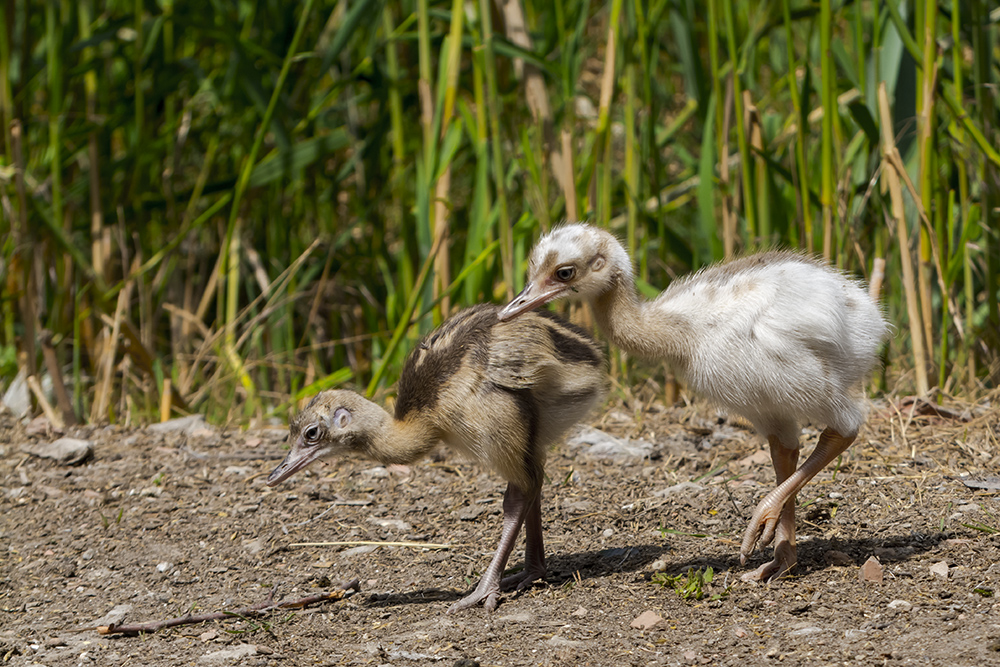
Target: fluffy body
778 337
501 392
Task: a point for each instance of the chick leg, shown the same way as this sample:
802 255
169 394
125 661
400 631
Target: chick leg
785 459
766 517
515 507
534 551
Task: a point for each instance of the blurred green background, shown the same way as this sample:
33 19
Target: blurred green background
236 203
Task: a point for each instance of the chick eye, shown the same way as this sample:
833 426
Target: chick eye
565 273
311 434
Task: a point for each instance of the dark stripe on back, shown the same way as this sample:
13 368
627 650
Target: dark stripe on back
432 363
571 343
572 349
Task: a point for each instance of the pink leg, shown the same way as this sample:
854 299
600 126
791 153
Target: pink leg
534 551
785 460
769 519
516 507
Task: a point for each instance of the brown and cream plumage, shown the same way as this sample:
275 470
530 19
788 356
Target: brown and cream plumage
501 392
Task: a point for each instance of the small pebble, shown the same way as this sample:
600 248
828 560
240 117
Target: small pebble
900 605
659 565
646 620
871 571
608 532
164 566
804 632
940 569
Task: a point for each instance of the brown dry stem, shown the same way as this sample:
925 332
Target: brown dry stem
257 610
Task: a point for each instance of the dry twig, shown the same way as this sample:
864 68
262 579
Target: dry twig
256 610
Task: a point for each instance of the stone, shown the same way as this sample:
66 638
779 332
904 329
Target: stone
682 488
658 565
229 656
805 632
17 398
395 524
68 451
602 446
759 457
900 605
113 617
187 425
940 569
871 571
358 551
562 642
646 620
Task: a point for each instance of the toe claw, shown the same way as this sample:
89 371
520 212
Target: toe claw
486 592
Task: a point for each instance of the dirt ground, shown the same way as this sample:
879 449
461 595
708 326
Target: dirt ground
156 524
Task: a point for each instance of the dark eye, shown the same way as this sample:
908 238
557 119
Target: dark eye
565 273
311 434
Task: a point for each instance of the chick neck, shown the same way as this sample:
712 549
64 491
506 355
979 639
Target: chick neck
392 441
638 326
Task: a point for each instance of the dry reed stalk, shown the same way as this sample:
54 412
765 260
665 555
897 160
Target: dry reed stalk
22 235
892 177
165 401
897 161
755 135
566 178
44 404
442 267
442 189
878 275
560 156
58 386
608 75
728 207
107 362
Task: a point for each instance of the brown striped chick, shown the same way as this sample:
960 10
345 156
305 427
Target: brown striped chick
501 392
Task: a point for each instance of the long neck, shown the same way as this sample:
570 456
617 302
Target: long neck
639 327
400 442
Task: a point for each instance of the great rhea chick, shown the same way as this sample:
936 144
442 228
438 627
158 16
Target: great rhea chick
777 337
501 392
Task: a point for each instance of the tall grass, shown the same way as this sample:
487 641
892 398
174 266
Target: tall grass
224 207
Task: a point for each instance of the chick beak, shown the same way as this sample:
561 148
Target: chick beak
297 459
531 297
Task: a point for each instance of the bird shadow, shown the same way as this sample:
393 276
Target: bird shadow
562 570
819 554
813 556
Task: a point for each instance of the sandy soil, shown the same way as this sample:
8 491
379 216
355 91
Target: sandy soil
158 524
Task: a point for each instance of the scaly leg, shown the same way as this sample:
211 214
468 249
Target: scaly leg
534 551
772 508
515 508
785 459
